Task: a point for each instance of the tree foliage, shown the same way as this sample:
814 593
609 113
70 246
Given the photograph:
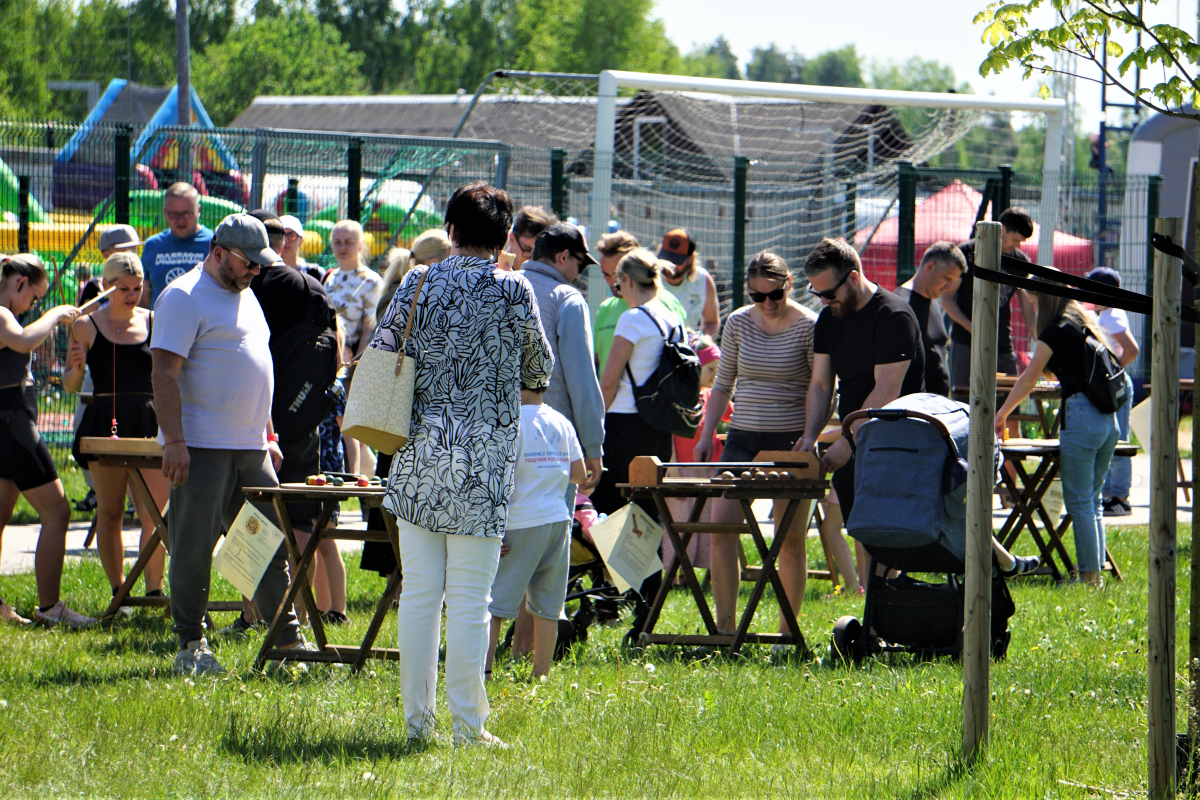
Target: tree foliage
258 59
716 60
1088 32
772 65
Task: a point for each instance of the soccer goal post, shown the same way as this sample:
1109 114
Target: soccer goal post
614 83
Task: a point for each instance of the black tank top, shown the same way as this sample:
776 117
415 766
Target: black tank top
15 368
133 365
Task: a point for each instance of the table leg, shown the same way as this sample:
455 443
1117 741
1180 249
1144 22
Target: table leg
297 584
1047 426
389 593
1112 562
159 536
1025 501
1011 528
1054 533
768 574
679 561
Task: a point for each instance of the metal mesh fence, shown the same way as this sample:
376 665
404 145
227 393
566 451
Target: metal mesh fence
75 179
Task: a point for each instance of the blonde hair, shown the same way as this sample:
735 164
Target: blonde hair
617 243
1051 309
399 262
120 265
431 246
184 190
642 267
356 228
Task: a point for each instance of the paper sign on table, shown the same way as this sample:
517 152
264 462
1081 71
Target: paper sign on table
1141 422
628 542
248 549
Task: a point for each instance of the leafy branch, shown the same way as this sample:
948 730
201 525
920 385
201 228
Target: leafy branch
1088 33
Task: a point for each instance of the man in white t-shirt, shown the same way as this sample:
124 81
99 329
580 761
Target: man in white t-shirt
212 391
536 552
1120 471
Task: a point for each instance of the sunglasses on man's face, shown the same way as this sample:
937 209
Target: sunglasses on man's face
831 294
775 295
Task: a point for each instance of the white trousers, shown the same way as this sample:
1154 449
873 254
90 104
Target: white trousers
458 570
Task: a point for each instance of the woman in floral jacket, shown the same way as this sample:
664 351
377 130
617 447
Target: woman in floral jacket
476 338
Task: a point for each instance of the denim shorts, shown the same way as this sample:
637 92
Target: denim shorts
742 446
535 568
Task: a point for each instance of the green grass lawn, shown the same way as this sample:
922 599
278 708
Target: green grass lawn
98 713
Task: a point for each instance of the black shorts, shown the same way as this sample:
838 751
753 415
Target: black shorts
24 458
301 458
743 446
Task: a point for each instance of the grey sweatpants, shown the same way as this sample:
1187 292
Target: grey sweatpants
201 511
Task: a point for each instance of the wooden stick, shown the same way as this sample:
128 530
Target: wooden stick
1194 599
86 308
1164 445
976 657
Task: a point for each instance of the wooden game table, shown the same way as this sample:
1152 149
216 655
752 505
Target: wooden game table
329 497
1043 391
803 481
135 455
1028 507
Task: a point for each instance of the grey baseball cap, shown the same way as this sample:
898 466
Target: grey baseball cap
120 237
244 232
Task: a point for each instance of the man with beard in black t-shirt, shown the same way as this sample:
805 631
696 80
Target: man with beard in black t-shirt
942 266
867 338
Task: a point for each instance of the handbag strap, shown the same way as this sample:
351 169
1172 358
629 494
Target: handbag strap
412 312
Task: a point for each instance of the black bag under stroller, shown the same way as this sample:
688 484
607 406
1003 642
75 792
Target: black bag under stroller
910 514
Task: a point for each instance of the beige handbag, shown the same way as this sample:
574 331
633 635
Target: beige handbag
379 408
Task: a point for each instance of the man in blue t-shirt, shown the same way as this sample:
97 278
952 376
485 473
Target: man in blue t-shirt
184 244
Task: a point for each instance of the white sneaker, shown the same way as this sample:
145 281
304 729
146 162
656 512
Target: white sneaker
60 614
292 665
197 659
9 615
482 739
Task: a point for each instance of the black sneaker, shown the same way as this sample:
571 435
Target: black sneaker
1117 507
88 503
332 617
1023 566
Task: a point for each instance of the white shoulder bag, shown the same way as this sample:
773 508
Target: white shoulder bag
379 408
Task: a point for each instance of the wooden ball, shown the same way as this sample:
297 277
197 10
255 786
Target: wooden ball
311 480
319 480
759 475
339 482
363 481
725 476
772 476
747 475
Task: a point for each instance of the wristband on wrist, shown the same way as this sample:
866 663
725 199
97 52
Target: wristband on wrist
272 437
177 441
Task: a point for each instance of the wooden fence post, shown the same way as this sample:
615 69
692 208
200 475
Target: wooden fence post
1163 452
981 478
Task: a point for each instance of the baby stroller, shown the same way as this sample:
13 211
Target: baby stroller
910 514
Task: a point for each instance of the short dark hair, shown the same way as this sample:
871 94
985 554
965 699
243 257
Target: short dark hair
538 389
945 253
23 265
532 220
832 254
544 250
1017 220
481 215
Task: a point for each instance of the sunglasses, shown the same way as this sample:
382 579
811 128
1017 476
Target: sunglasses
831 294
775 295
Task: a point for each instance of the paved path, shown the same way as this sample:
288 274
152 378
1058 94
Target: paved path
19 541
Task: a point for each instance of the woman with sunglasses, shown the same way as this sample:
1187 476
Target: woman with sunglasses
767 355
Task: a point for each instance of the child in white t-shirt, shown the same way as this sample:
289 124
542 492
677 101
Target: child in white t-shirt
537 541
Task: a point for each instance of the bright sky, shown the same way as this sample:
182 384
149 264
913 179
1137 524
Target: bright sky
887 30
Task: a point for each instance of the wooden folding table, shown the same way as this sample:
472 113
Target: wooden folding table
801 480
329 497
1028 507
135 455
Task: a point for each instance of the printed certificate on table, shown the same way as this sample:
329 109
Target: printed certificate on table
628 542
248 549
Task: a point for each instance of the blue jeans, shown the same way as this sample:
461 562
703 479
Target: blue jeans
1087 441
1120 474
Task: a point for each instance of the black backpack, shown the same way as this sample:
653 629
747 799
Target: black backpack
669 400
306 366
1101 374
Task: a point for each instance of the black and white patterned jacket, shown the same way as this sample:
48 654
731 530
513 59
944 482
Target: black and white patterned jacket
476 338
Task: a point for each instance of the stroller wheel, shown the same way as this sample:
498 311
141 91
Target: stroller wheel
846 632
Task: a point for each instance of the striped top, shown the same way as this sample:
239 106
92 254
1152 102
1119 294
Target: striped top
770 372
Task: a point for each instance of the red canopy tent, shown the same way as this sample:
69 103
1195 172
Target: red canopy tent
948 215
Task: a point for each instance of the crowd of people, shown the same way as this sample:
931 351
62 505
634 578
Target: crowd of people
521 406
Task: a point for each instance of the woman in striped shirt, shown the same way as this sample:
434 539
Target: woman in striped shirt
767 355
